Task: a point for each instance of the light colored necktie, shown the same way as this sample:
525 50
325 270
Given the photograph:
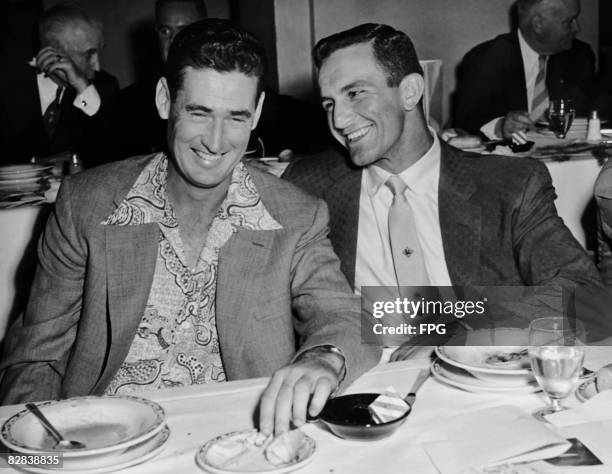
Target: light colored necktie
408 258
539 103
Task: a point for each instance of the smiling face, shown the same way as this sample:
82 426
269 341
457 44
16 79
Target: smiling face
364 114
209 124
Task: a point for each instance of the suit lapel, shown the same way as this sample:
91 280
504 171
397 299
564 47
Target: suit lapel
342 198
240 262
131 255
460 219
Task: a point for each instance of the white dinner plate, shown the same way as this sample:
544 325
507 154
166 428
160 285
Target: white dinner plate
459 378
23 171
499 351
207 455
104 424
17 182
134 455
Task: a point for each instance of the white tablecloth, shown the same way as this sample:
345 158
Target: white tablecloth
19 228
197 414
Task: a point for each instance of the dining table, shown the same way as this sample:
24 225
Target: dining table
574 165
196 414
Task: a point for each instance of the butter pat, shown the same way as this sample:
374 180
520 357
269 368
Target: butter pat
388 406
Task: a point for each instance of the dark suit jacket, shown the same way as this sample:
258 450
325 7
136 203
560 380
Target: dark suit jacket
497 216
21 127
277 290
491 81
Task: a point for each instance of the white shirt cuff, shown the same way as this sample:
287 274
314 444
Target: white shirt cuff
88 100
489 128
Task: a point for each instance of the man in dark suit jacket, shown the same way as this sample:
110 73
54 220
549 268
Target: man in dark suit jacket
65 81
496 79
481 220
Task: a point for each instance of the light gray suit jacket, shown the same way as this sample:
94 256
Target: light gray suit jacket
277 291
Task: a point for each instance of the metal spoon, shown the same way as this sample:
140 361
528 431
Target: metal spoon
61 442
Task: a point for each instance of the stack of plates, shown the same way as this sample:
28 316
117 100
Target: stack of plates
118 432
24 178
484 368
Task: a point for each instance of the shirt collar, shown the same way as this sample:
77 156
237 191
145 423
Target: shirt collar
421 177
147 201
530 57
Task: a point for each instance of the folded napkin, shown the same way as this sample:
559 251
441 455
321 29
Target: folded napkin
597 409
498 435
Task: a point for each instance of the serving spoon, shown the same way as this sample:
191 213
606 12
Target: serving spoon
60 441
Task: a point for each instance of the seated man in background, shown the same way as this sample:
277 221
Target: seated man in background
63 101
504 85
411 210
189 268
285 123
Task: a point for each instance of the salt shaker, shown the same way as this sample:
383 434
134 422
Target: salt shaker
76 166
594 128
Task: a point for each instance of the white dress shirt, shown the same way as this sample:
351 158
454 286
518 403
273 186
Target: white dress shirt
531 68
374 261
88 100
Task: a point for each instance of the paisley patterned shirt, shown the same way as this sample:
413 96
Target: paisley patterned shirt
176 343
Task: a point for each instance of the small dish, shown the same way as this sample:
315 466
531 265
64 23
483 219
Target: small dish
348 417
213 456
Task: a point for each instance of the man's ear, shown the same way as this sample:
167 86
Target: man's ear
258 108
537 23
162 98
411 90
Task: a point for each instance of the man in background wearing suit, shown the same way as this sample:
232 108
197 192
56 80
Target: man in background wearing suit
278 127
479 220
189 268
64 101
504 85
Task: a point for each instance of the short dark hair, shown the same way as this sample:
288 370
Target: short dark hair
215 44
392 48
198 4
56 18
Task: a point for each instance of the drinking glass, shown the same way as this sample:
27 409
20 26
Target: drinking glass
560 116
556 353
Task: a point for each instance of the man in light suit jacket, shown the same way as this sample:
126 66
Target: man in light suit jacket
480 220
164 271
65 80
497 79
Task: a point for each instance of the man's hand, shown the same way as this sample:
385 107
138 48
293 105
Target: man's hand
57 65
286 398
515 121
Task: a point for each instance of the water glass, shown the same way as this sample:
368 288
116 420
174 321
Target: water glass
560 116
556 353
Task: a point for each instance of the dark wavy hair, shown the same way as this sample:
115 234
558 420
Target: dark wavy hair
392 48
215 44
